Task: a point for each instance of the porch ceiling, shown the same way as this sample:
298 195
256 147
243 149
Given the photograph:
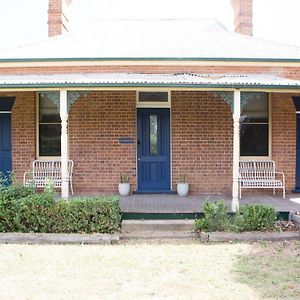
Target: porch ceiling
184 80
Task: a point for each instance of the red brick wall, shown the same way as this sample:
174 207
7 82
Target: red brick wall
23 132
284 136
95 124
202 133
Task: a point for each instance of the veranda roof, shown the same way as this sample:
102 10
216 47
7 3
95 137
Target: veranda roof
184 80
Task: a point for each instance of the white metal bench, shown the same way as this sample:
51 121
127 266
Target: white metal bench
45 171
260 174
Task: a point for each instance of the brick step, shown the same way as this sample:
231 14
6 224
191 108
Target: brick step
158 225
157 235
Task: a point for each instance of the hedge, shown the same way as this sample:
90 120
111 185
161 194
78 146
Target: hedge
23 210
94 214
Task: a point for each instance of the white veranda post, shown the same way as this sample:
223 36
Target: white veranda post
64 144
236 149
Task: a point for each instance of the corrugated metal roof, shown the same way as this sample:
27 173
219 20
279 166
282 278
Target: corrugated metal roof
147 80
129 39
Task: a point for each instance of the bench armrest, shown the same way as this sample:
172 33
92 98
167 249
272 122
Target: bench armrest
24 177
282 175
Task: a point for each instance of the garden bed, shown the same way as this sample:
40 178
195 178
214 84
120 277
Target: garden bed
253 223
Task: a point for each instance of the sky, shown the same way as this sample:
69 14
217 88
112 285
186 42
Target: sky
276 20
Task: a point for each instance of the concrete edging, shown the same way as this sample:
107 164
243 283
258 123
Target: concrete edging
58 238
248 236
295 216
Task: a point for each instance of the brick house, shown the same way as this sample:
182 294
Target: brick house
152 98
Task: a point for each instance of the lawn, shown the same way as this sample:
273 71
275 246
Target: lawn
151 271
273 269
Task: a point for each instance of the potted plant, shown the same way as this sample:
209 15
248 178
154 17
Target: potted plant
182 185
124 185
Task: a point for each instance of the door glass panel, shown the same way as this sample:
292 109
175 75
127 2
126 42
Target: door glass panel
153 134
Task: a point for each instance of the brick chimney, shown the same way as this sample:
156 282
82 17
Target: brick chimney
58 18
243 13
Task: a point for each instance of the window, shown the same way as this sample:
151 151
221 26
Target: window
153 96
254 129
49 127
153 99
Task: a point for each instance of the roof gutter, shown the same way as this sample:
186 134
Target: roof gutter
144 85
101 59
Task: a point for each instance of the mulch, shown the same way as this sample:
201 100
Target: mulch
287 226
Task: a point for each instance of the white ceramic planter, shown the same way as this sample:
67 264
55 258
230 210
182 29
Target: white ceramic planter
182 189
124 189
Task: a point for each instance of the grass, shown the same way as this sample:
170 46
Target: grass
273 269
142 271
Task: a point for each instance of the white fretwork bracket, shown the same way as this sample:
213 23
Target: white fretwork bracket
246 97
72 97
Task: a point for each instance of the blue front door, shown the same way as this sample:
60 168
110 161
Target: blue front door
297 187
153 149
5 143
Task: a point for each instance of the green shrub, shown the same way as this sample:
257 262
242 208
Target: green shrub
93 214
215 217
9 206
253 217
236 223
258 217
35 213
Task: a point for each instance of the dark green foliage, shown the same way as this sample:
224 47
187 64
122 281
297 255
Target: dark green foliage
236 223
23 210
35 213
95 214
253 217
9 206
215 217
258 217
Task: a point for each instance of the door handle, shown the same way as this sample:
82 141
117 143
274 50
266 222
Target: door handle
139 159
138 142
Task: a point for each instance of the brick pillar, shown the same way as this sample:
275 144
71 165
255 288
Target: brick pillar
243 13
58 19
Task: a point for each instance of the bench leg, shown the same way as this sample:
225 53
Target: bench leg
283 192
71 187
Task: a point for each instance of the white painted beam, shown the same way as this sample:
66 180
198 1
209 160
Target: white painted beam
236 150
64 143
